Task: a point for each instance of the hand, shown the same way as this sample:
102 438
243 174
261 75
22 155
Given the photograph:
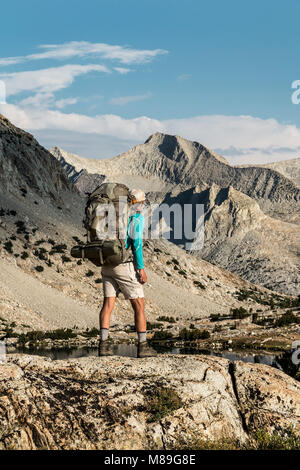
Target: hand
142 276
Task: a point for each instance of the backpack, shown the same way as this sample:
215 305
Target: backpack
106 220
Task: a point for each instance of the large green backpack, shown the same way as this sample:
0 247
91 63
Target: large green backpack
106 220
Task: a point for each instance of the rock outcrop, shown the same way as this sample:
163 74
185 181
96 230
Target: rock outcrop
110 403
288 168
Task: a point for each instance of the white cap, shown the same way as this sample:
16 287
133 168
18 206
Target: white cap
138 195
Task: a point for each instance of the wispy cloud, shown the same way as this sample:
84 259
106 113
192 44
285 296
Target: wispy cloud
123 100
122 70
46 80
68 50
183 77
65 102
46 100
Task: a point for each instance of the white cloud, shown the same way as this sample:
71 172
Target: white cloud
122 100
46 100
122 70
108 124
11 60
242 139
123 54
46 80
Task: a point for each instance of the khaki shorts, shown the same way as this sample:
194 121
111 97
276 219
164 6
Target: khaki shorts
121 278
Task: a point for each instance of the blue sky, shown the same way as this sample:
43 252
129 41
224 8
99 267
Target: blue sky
117 71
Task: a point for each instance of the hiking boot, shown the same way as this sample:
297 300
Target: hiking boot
105 348
144 350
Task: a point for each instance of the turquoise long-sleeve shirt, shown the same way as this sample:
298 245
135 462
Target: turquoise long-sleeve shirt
134 238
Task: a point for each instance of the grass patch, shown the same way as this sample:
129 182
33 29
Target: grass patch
277 441
162 402
259 440
91 333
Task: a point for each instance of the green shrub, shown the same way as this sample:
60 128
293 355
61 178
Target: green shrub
167 319
183 273
199 284
65 259
39 269
89 273
215 317
190 335
162 336
58 249
239 313
39 242
33 336
152 326
287 319
8 246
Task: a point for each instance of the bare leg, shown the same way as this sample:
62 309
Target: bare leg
105 312
139 314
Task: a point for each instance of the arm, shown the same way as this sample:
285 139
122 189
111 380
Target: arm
136 236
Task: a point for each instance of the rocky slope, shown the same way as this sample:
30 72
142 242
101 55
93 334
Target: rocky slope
113 404
27 167
239 237
172 160
288 168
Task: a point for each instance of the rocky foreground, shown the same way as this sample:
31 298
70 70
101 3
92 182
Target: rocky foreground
128 403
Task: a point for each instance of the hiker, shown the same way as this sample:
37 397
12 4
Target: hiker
127 277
